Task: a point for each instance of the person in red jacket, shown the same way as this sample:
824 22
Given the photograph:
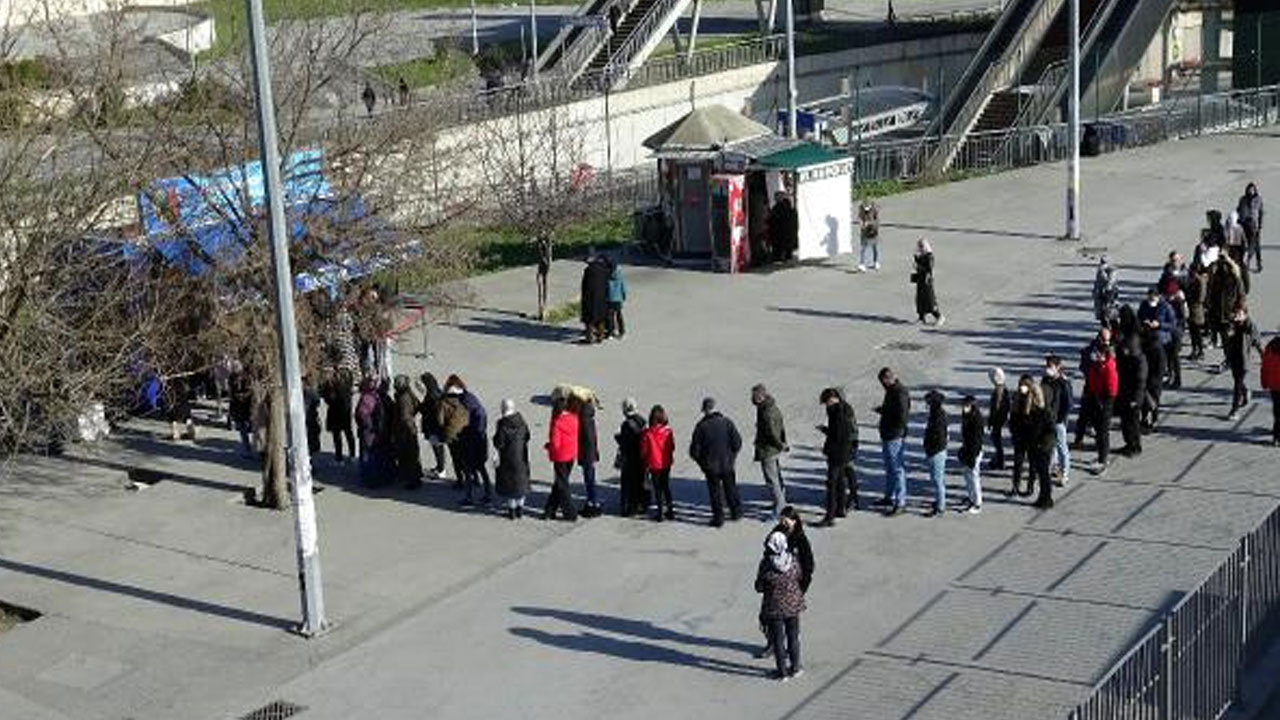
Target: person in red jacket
562 450
658 450
1271 383
1101 385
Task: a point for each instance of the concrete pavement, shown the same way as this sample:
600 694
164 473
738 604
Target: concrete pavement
170 601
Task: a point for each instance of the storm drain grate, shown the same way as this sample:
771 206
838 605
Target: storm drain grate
275 710
903 346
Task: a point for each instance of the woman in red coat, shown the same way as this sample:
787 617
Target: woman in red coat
1271 383
658 449
562 450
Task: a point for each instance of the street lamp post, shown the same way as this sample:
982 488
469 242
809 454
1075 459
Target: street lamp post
299 460
1073 125
791 69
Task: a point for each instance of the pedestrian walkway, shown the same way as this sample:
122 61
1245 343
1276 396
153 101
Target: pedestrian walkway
169 601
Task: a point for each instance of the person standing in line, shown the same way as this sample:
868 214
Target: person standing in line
630 463
562 451
1133 383
1271 383
1058 399
658 449
588 451
475 439
336 393
453 419
997 414
770 443
869 222
369 421
1197 299
1250 210
404 434
782 601
894 411
1102 385
617 296
1241 337
715 447
926 295
935 451
595 297
430 413
790 524
970 455
1106 291
1173 276
1021 431
311 410
838 448
1225 289
511 442
1173 350
1040 448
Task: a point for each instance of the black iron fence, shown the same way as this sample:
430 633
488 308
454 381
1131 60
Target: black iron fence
1190 664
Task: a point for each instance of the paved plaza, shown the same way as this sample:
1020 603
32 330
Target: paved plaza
172 601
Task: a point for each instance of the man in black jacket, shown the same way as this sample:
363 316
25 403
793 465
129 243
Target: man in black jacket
631 464
715 447
770 443
894 411
1058 399
838 449
1132 363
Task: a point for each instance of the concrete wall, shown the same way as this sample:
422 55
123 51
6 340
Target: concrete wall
20 12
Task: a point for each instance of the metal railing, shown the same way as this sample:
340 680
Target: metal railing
1189 665
657 15
671 68
909 160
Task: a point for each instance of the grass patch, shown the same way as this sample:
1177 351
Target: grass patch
502 248
563 313
667 48
446 66
884 188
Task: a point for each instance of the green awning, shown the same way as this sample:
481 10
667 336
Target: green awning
800 156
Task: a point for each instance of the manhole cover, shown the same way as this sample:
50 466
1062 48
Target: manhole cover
276 710
903 346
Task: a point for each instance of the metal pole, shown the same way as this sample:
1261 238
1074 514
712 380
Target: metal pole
533 30
475 31
299 460
1073 124
791 70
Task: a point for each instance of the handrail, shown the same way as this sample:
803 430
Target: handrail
573 62
971 68
565 31
640 34
1001 72
1089 37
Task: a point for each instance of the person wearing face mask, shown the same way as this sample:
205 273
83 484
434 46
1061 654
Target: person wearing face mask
1101 385
1156 324
1133 383
1058 399
970 455
1021 427
1241 337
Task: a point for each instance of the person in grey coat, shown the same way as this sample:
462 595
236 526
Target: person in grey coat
715 447
770 443
511 441
1250 210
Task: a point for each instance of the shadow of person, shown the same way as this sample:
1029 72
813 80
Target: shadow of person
635 628
634 651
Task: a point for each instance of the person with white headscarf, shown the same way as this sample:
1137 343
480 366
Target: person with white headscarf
511 441
782 601
926 297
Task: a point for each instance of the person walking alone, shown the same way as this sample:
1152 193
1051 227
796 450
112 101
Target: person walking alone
782 601
894 411
935 451
714 446
770 443
511 442
926 295
1058 399
658 449
838 449
1250 210
970 455
997 414
630 462
562 451
869 226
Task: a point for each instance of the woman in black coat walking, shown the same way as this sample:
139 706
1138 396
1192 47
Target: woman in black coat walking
926 297
511 440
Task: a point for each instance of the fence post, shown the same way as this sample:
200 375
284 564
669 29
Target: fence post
1166 671
1199 116
1245 559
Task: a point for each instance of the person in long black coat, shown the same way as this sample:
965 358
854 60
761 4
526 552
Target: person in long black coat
429 411
595 297
926 296
336 393
630 462
838 449
715 447
784 229
511 441
1133 370
588 452
791 525
998 414
404 434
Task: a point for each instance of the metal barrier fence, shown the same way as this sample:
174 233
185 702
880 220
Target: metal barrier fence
913 160
1190 664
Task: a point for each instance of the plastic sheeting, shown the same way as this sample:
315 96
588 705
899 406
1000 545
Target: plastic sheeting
825 208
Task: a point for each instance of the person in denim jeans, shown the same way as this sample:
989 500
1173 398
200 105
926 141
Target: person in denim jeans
869 220
893 411
970 455
1058 399
935 451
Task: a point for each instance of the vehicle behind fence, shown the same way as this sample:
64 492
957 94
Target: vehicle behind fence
1189 666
